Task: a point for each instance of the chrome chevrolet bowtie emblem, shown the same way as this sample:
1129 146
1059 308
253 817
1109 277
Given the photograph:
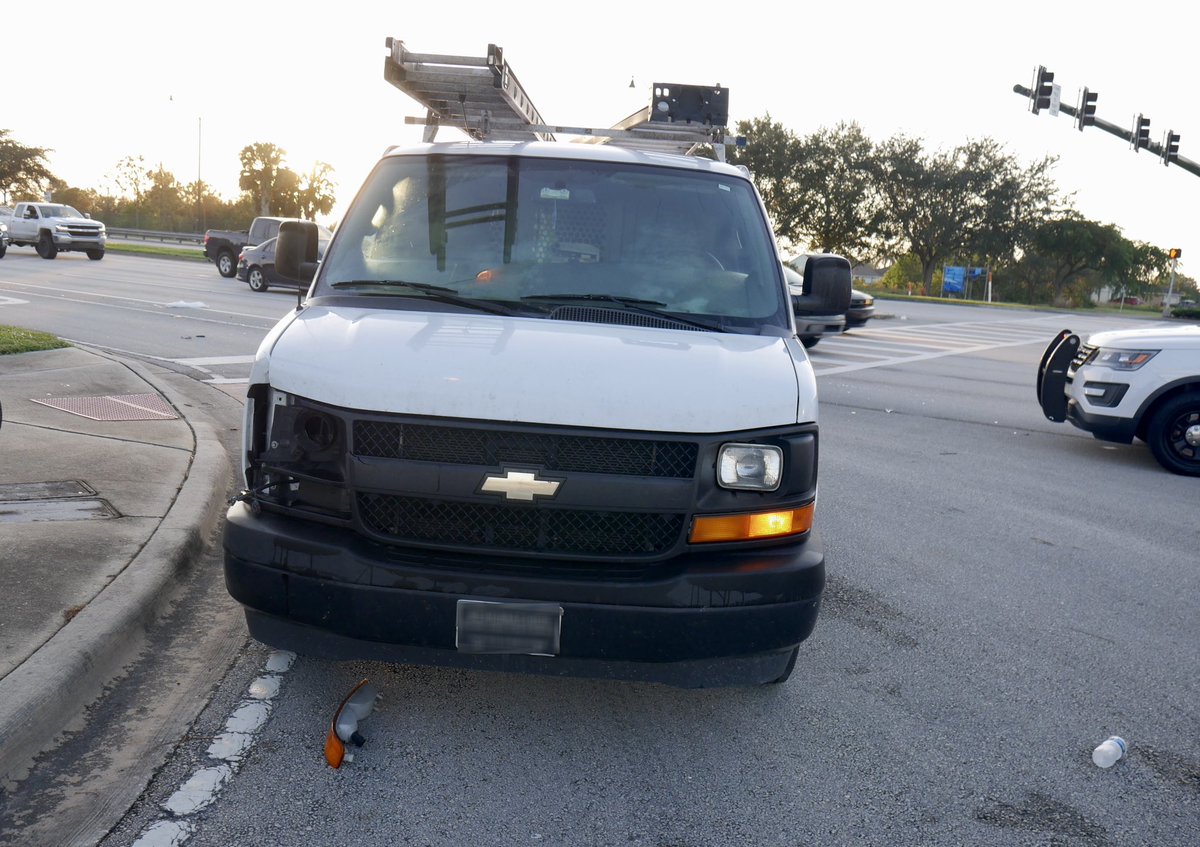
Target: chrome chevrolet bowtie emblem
520 485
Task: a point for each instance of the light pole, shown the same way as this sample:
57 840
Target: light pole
199 184
1173 254
200 215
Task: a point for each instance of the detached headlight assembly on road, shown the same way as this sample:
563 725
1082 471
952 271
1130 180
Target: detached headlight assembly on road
1122 360
749 467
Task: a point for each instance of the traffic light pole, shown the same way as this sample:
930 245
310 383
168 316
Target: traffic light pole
1122 133
1166 313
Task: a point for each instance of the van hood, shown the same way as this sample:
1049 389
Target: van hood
532 370
1159 338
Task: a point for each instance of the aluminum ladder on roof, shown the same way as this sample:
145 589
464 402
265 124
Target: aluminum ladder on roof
482 97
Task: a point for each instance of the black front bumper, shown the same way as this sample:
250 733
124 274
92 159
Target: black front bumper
326 590
1103 427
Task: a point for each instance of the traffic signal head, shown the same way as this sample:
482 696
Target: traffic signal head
1140 137
1085 115
1170 147
1174 253
1043 90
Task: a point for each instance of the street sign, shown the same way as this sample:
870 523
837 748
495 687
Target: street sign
1055 99
952 279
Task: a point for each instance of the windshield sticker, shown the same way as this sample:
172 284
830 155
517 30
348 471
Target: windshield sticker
556 194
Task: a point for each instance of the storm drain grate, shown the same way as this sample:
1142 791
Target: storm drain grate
115 407
18 491
37 511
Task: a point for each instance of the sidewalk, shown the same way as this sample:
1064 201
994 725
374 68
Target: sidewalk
107 495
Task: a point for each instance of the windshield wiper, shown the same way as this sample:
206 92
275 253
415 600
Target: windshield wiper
440 293
634 304
614 298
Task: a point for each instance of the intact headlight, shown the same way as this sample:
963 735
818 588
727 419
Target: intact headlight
1122 360
749 467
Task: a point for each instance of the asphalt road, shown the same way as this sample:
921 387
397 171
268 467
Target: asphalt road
1004 593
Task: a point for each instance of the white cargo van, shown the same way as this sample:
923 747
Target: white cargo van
543 409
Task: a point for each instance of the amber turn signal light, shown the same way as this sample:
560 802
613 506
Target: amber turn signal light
750 527
344 726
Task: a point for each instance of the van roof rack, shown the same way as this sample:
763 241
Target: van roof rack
483 98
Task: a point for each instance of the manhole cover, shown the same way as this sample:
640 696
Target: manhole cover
115 407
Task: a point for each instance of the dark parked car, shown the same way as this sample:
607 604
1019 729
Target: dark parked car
862 309
256 265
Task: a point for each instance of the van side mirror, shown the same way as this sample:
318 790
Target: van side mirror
296 254
826 285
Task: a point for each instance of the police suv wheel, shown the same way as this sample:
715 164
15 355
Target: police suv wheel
1173 434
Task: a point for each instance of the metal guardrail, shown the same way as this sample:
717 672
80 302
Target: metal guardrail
155 235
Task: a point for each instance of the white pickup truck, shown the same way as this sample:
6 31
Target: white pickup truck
53 228
1142 383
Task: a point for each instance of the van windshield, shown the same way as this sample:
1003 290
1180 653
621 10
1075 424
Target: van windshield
536 234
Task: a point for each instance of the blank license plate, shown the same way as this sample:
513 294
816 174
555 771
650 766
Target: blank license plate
528 628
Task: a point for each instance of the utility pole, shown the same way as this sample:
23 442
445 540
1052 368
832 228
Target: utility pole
199 184
1173 254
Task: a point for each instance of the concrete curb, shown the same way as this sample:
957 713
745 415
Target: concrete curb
48 694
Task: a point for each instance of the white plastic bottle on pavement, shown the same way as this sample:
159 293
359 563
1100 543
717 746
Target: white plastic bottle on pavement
1107 754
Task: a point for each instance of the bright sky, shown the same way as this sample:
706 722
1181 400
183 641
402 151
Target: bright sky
190 86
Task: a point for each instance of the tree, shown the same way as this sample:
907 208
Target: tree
24 170
133 180
1072 245
84 199
315 195
903 274
771 154
265 177
1019 199
165 200
836 207
973 200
